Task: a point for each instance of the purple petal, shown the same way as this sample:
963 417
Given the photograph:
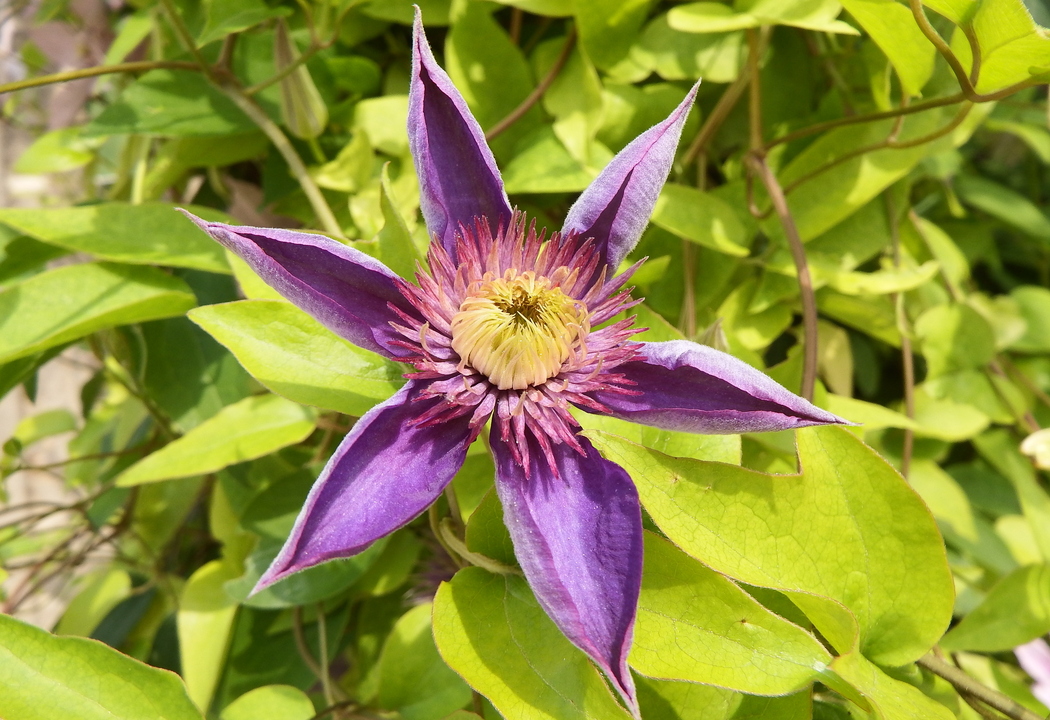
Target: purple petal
577 533
458 178
615 208
1034 657
384 473
691 387
342 288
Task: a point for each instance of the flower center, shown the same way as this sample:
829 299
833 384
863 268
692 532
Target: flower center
518 330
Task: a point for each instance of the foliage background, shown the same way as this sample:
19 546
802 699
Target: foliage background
856 210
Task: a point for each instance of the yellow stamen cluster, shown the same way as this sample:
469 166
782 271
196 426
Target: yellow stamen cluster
518 330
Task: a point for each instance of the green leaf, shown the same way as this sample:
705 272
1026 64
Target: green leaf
413 679
706 17
714 448
170 103
396 249
870 415
205 625
676 55
312 585
892 27
383 120
1013 47
1015 611
871 557
885 281
669 700
37 427
100 592
490 630
246 430
694 624
1005 204
491 72
954 337
229 16
608 27
57 151
1034 304
890 699
67 303
43 677
147 234
1002 452
273 702
946 419
294 355
701 218
544 165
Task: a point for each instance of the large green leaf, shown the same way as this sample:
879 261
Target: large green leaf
891 25
490 630
847 540
43 677
413 679
171 102
273 702
705 17
147 234
246 430
890 699
1014 612
702 218
669 700
608 27
205 624
954 337
65 304
294 355
694 624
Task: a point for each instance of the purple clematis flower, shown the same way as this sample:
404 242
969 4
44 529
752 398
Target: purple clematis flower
1034 657
510 325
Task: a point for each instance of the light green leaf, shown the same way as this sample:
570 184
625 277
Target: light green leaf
946 419
65 304
1013 47
246 430
544 165
695 625
491 72
170 103
396 249
43 677
883 282
714 448
294 355
1005 204
1034 304
1002 452
847 540
890 699
706 17
891 25
351 170
147 234
954 337
490 630
133 29
1014 612
413 679
205 625
57 151
873 316
870 415
384 121
701 218
669 700
100 592
44 424
224 17
273 702
677 55
608 27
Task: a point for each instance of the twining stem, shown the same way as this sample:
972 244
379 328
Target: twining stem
757 162
966 684
129 67
307 657
295 164
322 645
184 36
534 97
450 539
805 281
714 121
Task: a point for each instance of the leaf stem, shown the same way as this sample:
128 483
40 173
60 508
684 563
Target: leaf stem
966 684
129 67
907 358
322 644
534 97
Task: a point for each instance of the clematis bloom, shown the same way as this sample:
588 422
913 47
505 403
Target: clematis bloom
1034 657
509 324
